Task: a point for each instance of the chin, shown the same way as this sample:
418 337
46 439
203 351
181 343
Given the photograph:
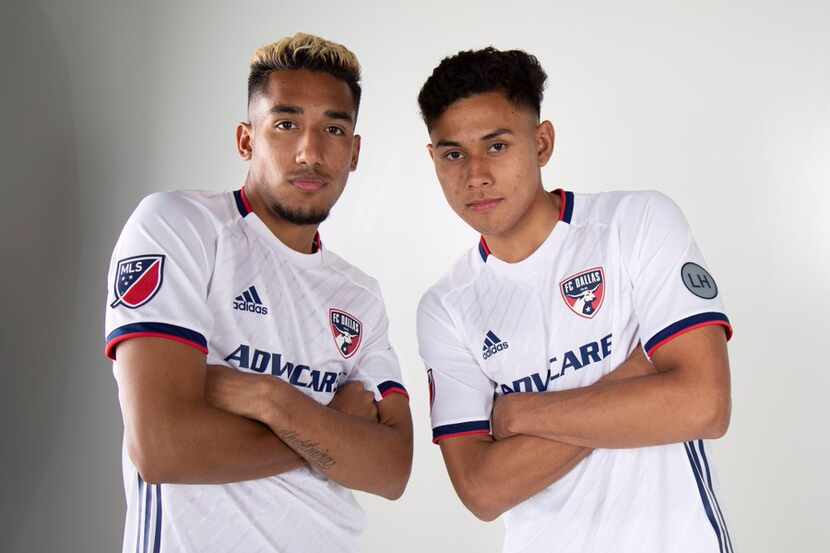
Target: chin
301 214
482 226
492 222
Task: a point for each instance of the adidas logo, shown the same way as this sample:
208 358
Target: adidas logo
250 301
492 345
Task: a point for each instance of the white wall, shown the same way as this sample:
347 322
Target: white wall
723 107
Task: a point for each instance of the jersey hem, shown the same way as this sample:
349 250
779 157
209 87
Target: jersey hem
440 439
154 330
440 433
688 324
391 387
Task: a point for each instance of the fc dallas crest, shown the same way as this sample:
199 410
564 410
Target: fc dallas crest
137 279
584 292
346 330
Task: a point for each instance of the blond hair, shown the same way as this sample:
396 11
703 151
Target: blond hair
304 51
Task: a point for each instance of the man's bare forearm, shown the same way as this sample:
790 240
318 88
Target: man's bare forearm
492 477
200 444
173 435
683 402
498 475
650 410
353 451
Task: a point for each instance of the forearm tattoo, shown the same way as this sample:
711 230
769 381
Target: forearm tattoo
309 450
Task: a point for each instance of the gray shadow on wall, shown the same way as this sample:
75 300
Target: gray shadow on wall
39 241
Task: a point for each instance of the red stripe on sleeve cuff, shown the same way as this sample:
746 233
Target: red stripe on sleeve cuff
154 330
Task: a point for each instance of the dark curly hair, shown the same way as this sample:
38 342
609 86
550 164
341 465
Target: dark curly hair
514 72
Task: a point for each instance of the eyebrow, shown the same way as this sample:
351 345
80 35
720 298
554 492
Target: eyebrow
495 133
283 108
297 110
339 115
488 136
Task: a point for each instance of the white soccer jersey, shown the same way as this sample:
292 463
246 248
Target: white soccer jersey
618 268
202 269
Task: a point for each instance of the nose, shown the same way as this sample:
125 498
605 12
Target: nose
309 149
478 173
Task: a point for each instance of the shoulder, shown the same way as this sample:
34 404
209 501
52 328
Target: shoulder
631 212
648 201
606 207
184 224
184 209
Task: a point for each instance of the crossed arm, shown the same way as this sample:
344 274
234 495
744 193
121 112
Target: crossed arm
175 434
688 397
364 447
539 437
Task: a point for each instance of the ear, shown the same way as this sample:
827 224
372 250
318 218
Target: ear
431 151
545 137
355 152
244 140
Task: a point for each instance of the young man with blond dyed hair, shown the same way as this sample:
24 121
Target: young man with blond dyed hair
255 375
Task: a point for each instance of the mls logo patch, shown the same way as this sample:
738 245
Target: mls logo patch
584 292
346 330
137 279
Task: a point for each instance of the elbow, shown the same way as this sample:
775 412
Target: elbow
483 508
395 486
481 501
393 491
148 468
151 465
151 477
486 515
715 418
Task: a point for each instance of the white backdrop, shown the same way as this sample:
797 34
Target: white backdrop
723 107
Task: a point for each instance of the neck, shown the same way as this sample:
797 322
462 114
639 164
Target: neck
299 238
531 230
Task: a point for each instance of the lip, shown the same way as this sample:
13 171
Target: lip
485 204
308 184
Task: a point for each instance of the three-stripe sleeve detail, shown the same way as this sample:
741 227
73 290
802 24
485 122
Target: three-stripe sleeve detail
700 470
148 513
714 497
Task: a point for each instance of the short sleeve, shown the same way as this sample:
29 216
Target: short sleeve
159 274
378 365
673 290
461 395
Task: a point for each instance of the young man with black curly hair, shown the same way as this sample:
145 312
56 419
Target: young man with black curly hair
543 402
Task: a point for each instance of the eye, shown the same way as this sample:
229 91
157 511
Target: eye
286 125
453 155
498 147
336 131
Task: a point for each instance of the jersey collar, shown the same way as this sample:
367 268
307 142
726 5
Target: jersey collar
242 202
566 209
243 205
